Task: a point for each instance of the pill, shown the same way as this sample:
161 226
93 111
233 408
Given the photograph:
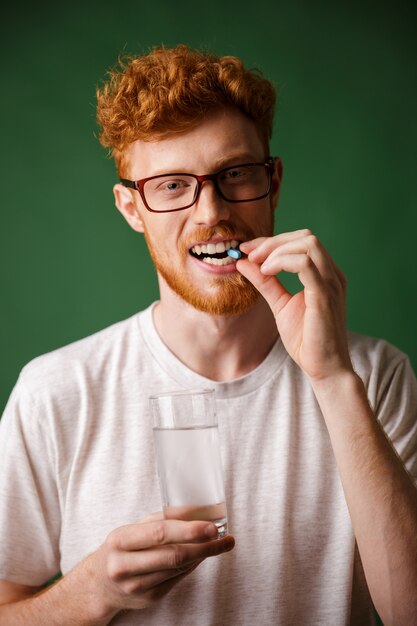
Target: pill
235 254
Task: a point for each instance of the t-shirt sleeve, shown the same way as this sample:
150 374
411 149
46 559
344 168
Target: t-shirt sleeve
392 390
397 412
29 500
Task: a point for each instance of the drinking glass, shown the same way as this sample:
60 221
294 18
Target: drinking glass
188 458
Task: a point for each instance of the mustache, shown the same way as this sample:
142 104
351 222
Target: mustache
222 229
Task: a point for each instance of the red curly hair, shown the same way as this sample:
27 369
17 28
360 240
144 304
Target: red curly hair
170 90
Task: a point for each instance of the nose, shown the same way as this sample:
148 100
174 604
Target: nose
209 208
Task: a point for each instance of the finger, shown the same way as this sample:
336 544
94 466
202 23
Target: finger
248 246
264 245
294 256
178 557
272 254
295 246
148 534
306 244
152 517
171 578
150 594
142 591
138 581
300 264
311 246
269 287
341 276
272 289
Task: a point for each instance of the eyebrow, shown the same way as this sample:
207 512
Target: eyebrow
221 163
237 159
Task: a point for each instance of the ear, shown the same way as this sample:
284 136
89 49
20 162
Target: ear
127 207
276 181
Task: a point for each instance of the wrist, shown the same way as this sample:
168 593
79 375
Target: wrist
338 387
85 582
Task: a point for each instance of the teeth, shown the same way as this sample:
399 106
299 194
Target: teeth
213 248
226 261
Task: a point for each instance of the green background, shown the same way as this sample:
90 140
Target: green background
345 128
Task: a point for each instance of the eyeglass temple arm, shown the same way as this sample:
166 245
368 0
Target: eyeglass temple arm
128 183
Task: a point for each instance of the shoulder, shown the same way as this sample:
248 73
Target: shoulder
370 353
390 382
90 358
382 367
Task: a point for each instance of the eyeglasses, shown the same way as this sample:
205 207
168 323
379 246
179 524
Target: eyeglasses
174 192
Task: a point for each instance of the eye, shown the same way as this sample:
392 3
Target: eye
172 185
235 172
238 175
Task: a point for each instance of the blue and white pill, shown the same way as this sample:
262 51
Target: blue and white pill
235 254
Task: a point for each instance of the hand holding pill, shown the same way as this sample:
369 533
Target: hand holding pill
310 322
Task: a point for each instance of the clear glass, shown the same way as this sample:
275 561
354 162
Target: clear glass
188 457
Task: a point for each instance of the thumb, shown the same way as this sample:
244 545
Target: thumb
269 287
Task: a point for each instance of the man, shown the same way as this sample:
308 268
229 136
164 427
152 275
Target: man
323 507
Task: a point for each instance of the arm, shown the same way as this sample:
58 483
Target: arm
380 494
135 567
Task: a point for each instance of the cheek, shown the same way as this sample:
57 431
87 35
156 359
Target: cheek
162 237
261 219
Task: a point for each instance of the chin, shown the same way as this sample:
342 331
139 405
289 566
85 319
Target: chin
230 308
233 295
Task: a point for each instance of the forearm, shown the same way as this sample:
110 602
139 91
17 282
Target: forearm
72 601
380 495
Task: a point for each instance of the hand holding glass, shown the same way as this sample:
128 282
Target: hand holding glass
188 456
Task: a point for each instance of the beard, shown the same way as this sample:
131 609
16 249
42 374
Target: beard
232 295
229 294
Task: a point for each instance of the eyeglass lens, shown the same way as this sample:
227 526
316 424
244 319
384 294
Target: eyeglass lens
236 184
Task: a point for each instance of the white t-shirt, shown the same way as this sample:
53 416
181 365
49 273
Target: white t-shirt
77 461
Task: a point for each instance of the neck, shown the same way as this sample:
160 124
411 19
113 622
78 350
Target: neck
217 347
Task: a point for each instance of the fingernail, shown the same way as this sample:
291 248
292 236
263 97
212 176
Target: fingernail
228 543
254 254
265 266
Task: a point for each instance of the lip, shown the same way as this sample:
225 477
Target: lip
230 268
215 240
